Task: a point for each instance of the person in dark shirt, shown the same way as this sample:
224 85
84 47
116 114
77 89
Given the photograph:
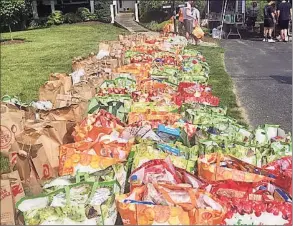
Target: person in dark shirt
269 21
284 14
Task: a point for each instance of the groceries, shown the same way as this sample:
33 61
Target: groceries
136 130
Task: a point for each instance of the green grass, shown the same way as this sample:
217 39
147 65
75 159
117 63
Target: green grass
221 82
25 67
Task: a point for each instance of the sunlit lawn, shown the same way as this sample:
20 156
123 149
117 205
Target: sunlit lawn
26 66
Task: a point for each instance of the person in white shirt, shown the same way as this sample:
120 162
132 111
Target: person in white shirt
196 15
196 22
188 19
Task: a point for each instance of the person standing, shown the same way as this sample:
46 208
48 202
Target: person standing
269 22
252 13
284 15
196 21
180 21
188 19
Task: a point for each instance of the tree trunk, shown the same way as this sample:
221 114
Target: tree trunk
11 38
35 10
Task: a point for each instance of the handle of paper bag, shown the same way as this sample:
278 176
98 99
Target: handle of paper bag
168 198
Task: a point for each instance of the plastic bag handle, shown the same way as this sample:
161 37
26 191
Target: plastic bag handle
190 191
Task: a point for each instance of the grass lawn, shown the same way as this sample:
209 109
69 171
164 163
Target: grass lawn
26 66
221 82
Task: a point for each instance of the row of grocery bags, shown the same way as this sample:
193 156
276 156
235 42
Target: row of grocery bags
135 133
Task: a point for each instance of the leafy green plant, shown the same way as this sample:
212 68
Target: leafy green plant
38 23
56 18
83 13
155 26
72 18
102 10
11 12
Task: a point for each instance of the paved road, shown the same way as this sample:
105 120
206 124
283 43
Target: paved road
262 74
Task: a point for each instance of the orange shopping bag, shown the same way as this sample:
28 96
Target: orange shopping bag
198 32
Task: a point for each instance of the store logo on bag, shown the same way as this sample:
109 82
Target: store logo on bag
4 193
6 137
46 171
16 189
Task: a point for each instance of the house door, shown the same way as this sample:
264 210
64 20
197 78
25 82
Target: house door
126 5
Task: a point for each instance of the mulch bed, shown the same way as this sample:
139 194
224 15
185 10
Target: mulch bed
10 42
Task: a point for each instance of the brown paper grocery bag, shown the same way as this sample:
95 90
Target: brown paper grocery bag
83 90
104 46
15 184
31 145
50 90
64 78
26 171
52 135
64 100
7 205
73 113
12 123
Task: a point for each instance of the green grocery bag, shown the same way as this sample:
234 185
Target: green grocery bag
88 203
144 152
118 105
120 82
114 172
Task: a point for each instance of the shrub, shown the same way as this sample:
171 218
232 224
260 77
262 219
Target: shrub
83 13
72 18
102 10
155 26
38 23
55 18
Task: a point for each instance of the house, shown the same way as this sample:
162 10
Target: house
45 7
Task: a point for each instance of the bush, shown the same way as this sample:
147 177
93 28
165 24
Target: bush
83 13
155 26
38 23
102 11
72 18
55 18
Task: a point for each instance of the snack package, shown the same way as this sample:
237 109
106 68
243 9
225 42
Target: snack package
163 117
84 203
140 132
181 206
81 157
162 171
93 125
247 212
143 153
118 105
215 167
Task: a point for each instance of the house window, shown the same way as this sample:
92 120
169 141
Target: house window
120 3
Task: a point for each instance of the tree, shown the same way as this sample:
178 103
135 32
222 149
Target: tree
11 12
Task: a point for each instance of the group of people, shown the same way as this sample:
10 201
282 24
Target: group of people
279 14
188 21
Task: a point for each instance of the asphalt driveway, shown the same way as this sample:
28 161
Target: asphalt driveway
262 74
